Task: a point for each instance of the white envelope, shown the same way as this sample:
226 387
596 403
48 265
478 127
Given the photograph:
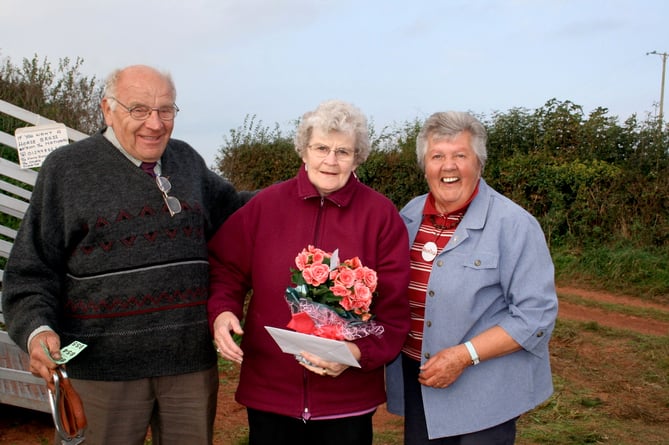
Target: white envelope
292 342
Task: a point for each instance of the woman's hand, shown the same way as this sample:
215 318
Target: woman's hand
224 324
325 368
444 368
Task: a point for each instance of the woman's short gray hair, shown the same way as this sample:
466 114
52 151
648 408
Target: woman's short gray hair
447 125
335 115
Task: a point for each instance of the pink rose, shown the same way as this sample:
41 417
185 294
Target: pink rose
345 276
306 274
316 274
317 255
353 263
362 296
369 278
301 260
347 302
340 291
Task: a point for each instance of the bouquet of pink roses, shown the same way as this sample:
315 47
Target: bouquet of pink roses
332 299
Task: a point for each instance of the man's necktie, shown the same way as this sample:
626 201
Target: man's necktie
148 168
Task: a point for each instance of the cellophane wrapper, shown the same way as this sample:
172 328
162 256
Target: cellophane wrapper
325 321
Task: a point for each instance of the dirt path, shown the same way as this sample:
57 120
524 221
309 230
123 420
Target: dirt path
574 311
605 297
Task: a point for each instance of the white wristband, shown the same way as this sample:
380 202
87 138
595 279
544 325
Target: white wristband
472 353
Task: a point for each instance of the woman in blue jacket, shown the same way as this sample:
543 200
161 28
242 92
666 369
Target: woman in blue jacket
482 296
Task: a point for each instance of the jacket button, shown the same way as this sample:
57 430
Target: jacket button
427 355
440 263
477 263
431 293
428 324
540 334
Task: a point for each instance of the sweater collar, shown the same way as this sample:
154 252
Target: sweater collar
340 198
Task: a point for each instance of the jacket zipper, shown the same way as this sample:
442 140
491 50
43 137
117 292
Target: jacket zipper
318 222
306 415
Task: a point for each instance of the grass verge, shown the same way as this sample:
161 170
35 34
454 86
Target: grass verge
622 269
611 387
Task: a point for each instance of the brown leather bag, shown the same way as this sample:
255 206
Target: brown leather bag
67 407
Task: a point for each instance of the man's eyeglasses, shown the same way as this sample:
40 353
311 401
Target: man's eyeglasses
142 112
172 203
341 154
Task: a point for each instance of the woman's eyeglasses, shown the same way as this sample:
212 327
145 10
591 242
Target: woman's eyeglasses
323 151
172 203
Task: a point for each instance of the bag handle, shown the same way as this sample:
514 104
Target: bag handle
67 408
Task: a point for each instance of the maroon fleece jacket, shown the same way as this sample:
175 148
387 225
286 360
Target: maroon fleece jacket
255 250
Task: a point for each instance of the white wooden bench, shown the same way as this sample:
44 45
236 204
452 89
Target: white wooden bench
17 385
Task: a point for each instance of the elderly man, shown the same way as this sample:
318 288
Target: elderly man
113 253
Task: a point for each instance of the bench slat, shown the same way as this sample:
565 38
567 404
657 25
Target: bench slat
20 376
12 206
15 190
12 170
27 398
5 248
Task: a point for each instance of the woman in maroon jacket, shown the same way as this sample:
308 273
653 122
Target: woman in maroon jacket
325 206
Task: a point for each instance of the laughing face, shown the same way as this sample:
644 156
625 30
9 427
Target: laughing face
452 171
142 139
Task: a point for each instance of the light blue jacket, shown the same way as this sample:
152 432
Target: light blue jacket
495 270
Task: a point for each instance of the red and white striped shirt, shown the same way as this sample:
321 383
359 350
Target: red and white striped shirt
437 228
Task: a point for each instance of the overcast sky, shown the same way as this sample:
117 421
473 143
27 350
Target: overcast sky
396 60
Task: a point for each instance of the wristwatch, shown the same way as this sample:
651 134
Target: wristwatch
472 353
